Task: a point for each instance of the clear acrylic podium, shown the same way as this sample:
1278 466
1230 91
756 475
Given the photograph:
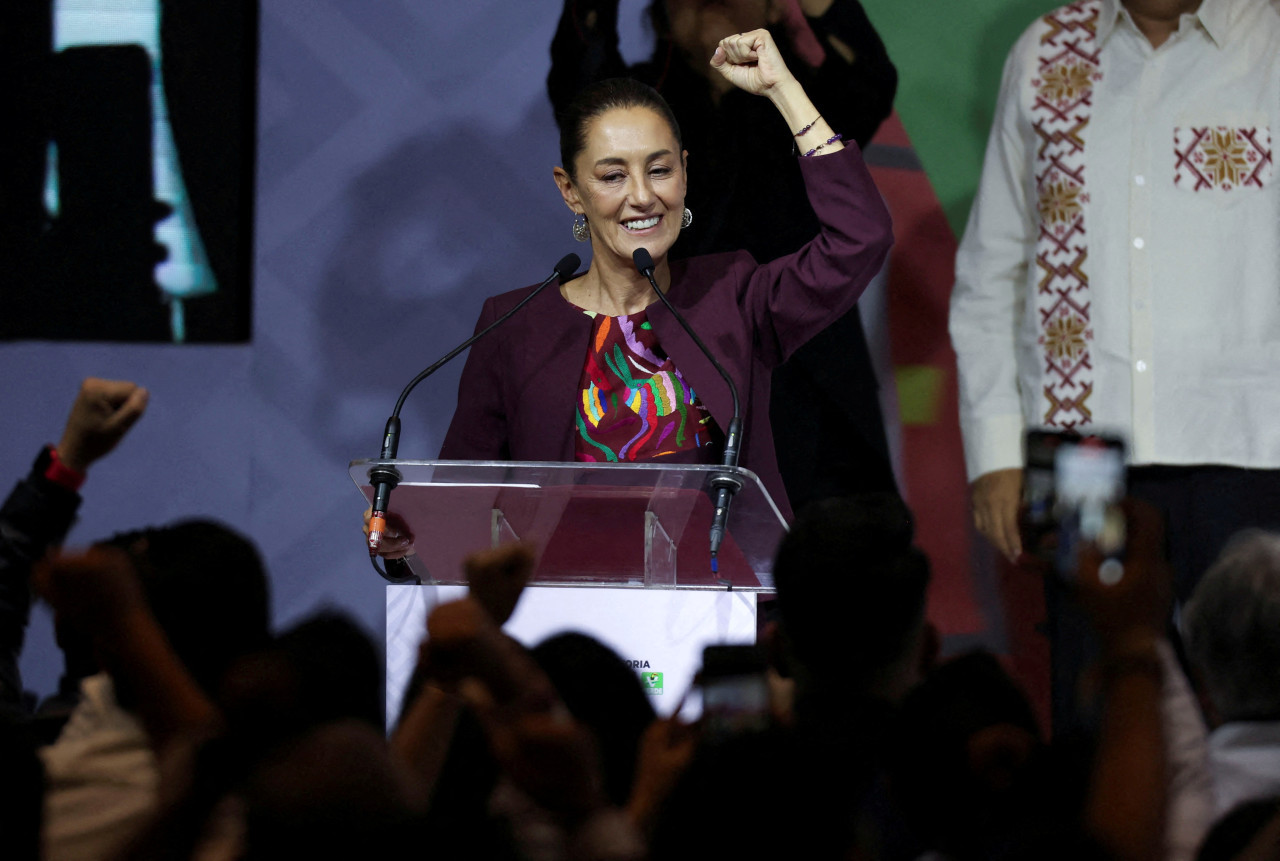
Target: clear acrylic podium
611 525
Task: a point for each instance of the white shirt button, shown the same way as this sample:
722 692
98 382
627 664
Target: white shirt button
1139 180
1141 366
1138 243
1140 305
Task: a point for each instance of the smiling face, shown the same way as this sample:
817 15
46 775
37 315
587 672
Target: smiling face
629 181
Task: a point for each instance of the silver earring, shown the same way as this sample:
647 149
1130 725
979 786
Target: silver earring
686 219
580 230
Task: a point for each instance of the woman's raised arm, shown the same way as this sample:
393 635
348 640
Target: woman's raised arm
751 62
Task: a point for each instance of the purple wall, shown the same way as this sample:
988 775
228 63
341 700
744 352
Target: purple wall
404 173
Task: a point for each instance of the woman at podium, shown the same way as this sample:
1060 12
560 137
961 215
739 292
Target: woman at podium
600 370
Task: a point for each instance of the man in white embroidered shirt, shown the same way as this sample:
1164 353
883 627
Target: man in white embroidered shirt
1120 271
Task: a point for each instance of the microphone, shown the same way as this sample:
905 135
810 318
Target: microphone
384 478
725 484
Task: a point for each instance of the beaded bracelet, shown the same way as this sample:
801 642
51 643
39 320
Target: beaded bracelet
811 125
826 143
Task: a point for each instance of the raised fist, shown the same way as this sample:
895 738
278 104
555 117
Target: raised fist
751 62
102 414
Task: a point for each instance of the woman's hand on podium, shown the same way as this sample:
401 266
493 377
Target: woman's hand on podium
397 540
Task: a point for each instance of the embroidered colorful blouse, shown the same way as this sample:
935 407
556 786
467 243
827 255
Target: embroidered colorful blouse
634 404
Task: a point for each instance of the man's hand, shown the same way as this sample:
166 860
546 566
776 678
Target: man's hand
98 595
996 498
464 642
102 414
666 748
1128 603
546 753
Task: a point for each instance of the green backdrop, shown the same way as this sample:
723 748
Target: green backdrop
949 57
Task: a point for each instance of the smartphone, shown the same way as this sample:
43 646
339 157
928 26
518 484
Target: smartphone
1071 495
735 691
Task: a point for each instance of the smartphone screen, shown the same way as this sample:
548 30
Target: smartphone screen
1089 478
735 692
1071 493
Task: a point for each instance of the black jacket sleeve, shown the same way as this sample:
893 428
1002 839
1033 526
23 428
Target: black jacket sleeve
36 517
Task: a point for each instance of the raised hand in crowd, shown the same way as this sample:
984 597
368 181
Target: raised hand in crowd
496 578
95 592
543 751
666 749
39 512
425 730
547 755
102 414
463 642
97 595
1127 602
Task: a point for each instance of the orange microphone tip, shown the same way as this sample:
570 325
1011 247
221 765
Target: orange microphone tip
377 528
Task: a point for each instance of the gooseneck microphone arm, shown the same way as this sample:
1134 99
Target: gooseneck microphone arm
383 477
725 484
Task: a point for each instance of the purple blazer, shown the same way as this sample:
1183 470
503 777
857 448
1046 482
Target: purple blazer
519 388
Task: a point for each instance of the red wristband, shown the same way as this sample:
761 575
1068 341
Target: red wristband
61 474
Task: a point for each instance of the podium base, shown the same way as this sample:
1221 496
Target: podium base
661 633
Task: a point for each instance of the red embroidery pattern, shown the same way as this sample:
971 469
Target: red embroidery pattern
1068 67
1220 157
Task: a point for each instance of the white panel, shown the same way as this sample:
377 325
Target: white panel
658 631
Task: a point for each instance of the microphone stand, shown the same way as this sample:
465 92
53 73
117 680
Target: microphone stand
384 477
725 484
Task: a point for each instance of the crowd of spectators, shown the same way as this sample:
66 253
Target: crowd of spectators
185 728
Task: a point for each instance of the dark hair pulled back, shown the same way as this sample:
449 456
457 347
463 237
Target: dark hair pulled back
599 98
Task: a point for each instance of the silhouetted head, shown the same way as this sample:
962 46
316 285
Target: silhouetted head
338 667
334 792
602 692
966 740
1232 629
763 794
207 588
851 589
324 668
